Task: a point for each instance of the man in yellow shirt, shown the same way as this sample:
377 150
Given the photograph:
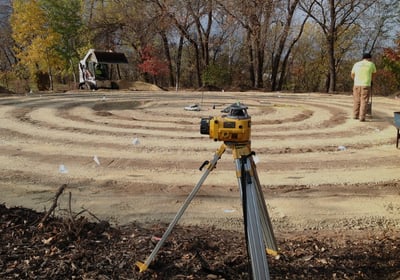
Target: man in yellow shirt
362 74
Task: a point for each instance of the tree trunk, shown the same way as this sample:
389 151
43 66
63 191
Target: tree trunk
251 59
282 76
260 67
168 57
178 63
332 62
198 69
277 65
51 79
71 63
274 72
331 39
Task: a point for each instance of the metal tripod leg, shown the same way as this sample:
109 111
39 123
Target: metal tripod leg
257 223
269 237
143 266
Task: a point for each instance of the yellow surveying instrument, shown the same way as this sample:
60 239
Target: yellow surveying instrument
234 129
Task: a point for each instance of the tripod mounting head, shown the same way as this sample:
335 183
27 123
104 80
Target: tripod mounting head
234 127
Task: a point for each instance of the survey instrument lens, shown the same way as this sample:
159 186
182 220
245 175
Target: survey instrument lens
235 126
205 125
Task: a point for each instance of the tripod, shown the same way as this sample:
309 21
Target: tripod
257 224
369 103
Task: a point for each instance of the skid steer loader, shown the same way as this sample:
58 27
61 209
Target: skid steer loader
100 69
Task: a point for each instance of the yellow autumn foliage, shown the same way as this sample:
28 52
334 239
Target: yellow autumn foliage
35 40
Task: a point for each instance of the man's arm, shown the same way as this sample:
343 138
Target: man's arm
373 73
353 72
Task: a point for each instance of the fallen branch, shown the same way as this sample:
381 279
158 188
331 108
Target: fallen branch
70 208
53 206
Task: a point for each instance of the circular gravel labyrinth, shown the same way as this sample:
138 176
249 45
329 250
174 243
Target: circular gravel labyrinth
134 156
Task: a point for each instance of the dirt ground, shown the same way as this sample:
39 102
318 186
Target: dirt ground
133 157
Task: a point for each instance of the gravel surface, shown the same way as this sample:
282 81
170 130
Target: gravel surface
130 159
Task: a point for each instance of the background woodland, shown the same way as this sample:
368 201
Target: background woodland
269 45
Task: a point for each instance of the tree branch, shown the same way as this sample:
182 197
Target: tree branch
53 206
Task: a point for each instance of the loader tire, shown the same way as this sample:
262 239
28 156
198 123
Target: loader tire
87 86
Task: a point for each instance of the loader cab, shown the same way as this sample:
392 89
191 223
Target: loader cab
100 70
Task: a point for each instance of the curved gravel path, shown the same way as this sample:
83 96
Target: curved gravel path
134 156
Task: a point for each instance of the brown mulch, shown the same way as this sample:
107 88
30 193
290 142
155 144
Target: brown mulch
73 247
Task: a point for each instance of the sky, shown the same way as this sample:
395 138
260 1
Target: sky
5 9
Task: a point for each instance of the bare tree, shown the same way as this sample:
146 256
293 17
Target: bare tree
378 24
335 17
194 20
286 38
255 17
7 57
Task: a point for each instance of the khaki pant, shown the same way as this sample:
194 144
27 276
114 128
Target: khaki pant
360 101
